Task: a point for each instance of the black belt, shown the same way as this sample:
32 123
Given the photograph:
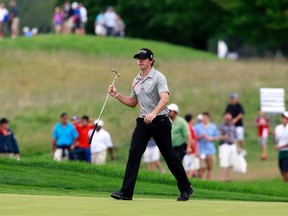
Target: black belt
157 117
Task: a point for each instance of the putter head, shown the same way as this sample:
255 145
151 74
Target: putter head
115 72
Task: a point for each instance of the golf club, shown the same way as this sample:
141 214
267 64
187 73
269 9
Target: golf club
99 117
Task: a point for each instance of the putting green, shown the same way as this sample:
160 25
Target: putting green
12 204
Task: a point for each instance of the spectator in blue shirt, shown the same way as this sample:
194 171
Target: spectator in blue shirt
64 138
207 134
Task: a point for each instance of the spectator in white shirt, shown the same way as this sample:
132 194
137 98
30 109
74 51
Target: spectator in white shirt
281 141
4 16
83 18
110 18
100 143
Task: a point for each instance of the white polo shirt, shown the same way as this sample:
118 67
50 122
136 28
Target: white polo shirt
101 141
281 135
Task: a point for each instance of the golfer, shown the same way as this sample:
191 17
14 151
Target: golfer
150 90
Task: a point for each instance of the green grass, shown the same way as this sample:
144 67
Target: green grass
53 205
104 47
80 179
46 75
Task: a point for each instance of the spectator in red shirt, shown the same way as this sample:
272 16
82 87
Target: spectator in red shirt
82 145
263 133
191 161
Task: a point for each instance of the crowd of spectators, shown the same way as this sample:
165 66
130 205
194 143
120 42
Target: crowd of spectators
9 19
71 140
73 17
195 144
109 23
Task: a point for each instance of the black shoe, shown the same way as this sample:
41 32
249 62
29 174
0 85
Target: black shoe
185 195
120 196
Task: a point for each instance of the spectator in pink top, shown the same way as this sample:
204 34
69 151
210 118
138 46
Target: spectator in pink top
58 20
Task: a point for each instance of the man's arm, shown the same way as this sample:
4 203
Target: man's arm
190 144
238 117
110 149
164 99
281 147
128 101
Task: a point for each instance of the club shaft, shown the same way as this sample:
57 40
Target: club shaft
101 112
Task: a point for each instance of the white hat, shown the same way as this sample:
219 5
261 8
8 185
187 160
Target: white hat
75 117
74 5
199 117
285 114
100 122
173 107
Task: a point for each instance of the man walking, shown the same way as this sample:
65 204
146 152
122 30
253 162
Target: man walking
227 147
237 112
150 90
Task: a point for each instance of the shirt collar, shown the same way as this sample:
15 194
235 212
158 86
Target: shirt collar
150 74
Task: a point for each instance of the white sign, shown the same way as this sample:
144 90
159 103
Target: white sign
272 100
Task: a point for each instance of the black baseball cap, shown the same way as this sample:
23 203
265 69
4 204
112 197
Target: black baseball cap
4 121
144 53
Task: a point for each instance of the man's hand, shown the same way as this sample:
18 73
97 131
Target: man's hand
112 90
210 139
149 118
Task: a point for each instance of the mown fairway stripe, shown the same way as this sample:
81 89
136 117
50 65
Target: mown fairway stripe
66 205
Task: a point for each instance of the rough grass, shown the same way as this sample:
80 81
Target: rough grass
51 178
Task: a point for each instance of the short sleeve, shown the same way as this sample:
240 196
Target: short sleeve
74 131
241 109
186 130
133 93
162 84
109 141
227 110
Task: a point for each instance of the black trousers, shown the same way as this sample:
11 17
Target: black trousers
180 151
160 130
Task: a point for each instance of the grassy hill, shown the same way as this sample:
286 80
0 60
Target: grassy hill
46 75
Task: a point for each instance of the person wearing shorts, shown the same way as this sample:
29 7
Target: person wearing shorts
227 147
207 134
263 133
14 20
191 161
281 145
237 112
150 91
151 156
64 138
